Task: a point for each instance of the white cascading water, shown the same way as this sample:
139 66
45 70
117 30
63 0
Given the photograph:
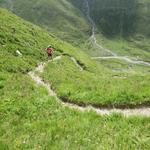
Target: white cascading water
93 37
11 5
113 55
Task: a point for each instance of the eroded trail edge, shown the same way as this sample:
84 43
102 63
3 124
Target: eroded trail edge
139 111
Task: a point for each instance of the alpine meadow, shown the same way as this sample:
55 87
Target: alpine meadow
75 74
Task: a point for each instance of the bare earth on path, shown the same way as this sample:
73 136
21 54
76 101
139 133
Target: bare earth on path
106 111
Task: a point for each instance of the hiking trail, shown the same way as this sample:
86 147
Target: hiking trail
113 55
76 63
101 111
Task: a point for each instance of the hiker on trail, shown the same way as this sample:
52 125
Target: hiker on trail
49 52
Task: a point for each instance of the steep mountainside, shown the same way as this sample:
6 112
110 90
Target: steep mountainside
122 26
123 17
31 118
58 16
31 41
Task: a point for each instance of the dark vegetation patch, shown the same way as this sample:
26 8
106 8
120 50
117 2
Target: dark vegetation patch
145 104
115 17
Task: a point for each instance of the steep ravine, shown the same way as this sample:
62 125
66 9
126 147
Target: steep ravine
97 45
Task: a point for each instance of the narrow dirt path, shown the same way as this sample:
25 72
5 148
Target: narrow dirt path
113 55
125 58
107 111
75 61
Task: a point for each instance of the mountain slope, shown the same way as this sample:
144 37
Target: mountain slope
59 17
31 119
31 41
120 17
121 26
128 20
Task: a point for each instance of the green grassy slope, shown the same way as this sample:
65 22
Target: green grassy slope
30 119
30 41
96 84
58 16
122 26
127 24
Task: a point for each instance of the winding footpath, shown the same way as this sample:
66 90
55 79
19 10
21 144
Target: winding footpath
97 45
107 111
141 111
125 58
75 62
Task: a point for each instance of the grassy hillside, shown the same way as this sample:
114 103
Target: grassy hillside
59 17
99 86
123 26
30 119
96 84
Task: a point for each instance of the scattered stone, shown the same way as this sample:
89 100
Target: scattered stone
18 53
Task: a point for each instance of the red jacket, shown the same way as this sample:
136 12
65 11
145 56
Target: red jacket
49 50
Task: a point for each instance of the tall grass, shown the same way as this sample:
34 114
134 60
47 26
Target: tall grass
31 119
